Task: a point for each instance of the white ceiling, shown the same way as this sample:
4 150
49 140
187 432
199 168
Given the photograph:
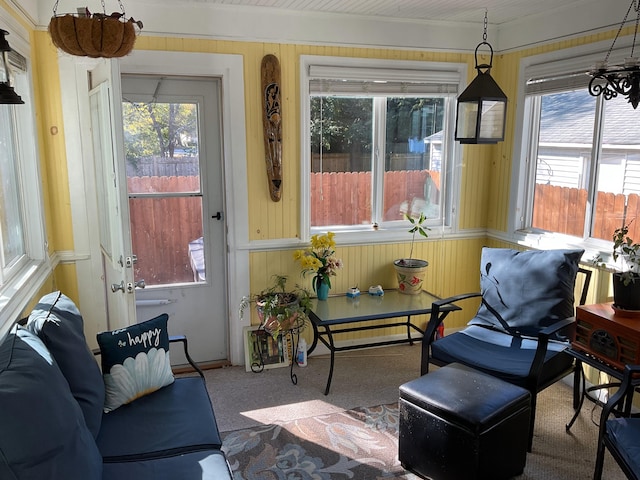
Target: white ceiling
499 11
450 25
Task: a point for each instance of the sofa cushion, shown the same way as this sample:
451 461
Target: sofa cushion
43 433
58 323
526 291
135 361
175 419
204 465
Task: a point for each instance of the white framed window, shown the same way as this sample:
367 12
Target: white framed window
22 234
377 143
578 160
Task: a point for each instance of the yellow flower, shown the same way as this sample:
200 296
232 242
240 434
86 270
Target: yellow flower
298 254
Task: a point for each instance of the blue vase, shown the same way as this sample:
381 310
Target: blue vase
322 289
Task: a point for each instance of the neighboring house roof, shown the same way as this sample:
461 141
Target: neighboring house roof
568 118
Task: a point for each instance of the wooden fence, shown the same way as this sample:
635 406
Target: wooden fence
161 229
561 209
345 198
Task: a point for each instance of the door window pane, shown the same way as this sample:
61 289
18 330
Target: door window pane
165 197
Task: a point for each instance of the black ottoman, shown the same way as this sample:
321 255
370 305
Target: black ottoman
458 423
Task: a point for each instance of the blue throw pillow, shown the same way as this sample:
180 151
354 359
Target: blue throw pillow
135 361
58 323
525 291
43 433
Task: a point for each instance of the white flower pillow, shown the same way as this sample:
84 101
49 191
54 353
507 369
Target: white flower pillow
135 361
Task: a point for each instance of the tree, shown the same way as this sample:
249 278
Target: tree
157 129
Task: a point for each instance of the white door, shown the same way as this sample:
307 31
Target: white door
113 212
173 161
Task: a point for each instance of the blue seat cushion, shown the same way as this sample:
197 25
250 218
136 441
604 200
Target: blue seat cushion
526 291
43 433
500 354
157 425
624 434
58 323
203 465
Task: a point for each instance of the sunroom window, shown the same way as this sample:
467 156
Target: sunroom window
586 180
379 145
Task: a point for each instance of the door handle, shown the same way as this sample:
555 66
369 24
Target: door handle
133 285
117 286
217 216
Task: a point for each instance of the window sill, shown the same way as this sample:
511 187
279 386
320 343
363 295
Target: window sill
17 293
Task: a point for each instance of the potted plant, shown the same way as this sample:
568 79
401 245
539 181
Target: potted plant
626 281
279 310
411 271
320 260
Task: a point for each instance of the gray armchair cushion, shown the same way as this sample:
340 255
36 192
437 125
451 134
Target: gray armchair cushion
58 323
43 433
526 291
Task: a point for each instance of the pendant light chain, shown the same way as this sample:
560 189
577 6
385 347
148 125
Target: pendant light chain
486 23
624 20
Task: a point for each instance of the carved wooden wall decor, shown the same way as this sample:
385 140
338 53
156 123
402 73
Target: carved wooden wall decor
272 124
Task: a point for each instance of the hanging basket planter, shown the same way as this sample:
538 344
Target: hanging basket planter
94 35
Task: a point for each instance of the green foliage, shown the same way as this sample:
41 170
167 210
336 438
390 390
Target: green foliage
628 251
417 226
158 129
278 308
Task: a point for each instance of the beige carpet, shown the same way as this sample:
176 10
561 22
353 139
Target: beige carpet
372 377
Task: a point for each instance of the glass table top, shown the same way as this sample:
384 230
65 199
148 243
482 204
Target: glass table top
343 309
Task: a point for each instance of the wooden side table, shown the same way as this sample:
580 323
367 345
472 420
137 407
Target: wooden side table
605 339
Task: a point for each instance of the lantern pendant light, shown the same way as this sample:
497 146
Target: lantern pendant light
8 96
482 107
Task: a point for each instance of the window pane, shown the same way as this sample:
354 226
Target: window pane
11 228
341 168
161 140
413 159
165 199
619 171
563 160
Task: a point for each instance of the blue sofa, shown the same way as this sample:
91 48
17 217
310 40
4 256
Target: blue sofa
53 423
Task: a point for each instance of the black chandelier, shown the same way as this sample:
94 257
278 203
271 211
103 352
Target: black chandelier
624 79
7 93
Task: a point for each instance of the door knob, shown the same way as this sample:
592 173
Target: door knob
117 286
133 285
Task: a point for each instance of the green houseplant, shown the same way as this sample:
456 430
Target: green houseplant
626 281
411 271
279 309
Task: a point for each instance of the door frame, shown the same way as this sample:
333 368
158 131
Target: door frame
229 68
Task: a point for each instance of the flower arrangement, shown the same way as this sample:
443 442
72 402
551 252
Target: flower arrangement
319 259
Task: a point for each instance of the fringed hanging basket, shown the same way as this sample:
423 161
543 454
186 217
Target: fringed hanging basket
94 35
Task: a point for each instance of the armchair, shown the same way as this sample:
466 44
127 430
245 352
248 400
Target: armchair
518 333
620 435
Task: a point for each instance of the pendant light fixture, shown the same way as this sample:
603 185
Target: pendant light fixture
7 93
624 79
482 107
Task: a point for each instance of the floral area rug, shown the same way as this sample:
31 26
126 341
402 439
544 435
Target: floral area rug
357 444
